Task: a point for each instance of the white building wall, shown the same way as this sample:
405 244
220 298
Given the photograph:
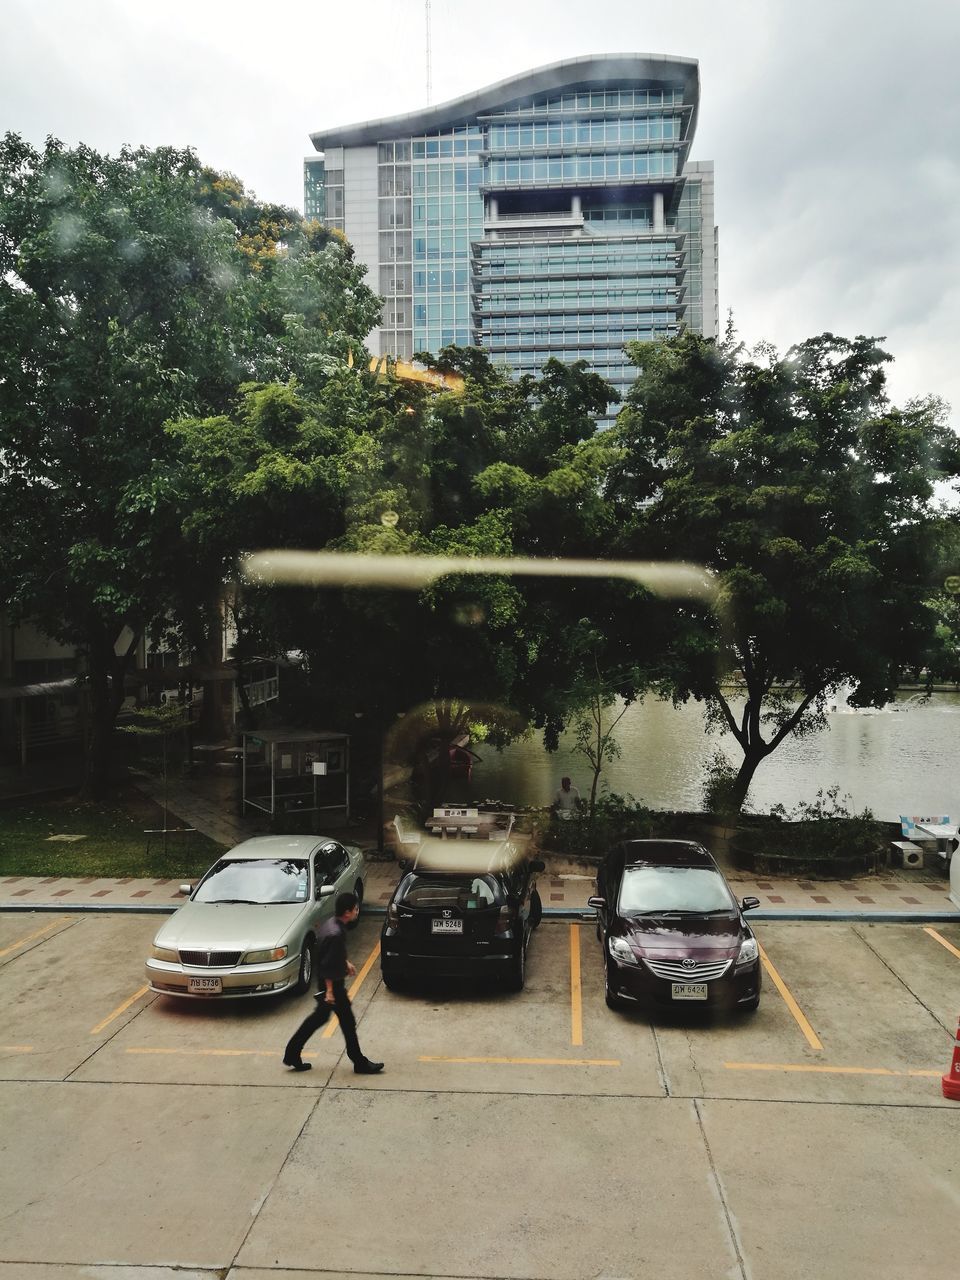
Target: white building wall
360 207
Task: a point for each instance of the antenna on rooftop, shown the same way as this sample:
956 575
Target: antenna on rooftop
429 68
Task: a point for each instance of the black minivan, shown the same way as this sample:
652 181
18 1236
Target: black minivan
463 909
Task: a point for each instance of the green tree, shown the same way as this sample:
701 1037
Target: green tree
129 298
811 497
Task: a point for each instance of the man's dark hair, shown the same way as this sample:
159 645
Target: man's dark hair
345 902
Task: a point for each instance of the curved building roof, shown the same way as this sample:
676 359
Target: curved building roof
611 70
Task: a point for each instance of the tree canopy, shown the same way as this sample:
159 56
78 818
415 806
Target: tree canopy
129 298
811 496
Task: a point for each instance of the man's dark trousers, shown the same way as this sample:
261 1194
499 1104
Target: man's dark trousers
321 1015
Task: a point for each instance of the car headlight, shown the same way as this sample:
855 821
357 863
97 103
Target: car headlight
749 950
264 957
620 949
164 953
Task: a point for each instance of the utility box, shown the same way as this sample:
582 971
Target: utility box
296 771
907 853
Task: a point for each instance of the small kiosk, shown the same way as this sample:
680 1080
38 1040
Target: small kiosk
287 771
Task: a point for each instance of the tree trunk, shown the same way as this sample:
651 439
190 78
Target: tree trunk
741 784
105 692
213 724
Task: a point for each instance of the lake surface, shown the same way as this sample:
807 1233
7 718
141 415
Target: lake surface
898 760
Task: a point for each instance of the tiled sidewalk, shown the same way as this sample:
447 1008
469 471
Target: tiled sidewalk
559 889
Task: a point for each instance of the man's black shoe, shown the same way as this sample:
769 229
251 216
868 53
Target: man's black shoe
298 1066
367 1068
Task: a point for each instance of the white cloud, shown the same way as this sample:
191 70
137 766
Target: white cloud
832 125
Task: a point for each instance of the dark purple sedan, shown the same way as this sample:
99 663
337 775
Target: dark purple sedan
673 934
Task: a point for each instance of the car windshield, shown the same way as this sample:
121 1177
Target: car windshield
261 880
670 889
466 893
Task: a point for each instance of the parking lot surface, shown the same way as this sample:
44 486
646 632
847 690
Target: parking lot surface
524 1135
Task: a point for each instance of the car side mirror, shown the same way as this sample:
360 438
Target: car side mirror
185 889
325 890
748 904
598 904
538 865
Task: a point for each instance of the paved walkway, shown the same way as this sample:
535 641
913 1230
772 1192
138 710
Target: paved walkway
209 806
560 888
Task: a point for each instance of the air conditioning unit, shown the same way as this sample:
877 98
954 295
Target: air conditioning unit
912 854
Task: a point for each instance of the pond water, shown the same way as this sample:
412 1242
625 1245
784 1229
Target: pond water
898 760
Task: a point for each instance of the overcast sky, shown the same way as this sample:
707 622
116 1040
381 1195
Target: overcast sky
834 125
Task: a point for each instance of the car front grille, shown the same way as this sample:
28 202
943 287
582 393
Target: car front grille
211 959
677 971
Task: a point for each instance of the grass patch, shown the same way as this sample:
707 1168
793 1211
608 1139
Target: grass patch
114 841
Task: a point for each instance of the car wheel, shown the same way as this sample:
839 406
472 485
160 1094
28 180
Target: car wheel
358 890
611 997
536 910
518 971
391 979
306 967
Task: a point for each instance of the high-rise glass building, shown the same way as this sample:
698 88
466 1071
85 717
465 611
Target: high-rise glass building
553 214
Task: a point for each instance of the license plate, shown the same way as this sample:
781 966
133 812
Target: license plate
446 926
689 990
205 986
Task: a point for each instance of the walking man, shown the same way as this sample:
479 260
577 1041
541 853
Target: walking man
333 969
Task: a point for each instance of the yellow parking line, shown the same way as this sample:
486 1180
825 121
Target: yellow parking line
216 1053
16 1048
812 1039
823 1070
576 995
120 1009
30 936
926 929
528 1062
368 964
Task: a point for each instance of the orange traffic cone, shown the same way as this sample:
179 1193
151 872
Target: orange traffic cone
951 1081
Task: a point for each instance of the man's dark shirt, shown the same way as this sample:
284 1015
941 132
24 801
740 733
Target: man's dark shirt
331 952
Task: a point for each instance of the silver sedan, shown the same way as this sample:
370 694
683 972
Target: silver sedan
250 925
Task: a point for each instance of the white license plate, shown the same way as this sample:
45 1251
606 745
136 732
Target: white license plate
689 990
205 986
446 926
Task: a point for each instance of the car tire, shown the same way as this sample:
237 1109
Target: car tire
536 910
391 979
305 976
610 996
358 890
518 970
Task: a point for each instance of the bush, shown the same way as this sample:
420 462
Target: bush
817 837
615 818
718 788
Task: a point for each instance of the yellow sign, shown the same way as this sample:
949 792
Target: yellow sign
411 373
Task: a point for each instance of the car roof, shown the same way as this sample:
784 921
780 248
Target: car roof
276 847
666 853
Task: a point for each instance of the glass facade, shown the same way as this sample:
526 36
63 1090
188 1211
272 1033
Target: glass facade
553 223
447 218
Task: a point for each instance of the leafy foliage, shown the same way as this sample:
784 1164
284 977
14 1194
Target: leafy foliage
130 297
811 497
